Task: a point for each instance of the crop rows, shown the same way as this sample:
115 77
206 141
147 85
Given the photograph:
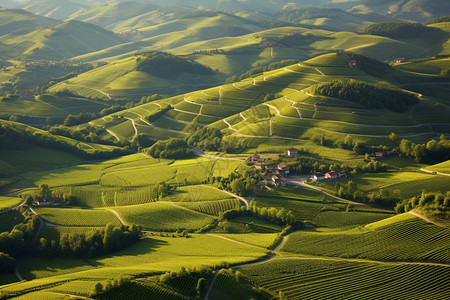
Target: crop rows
163 216
133 291
212 207
184 285
336 219
328 279
99 196
409 240
77 217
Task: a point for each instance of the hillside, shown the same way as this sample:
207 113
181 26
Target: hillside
224 149
58 10
417 10
242 111
66 40
110 14
329 18
19 21
122 79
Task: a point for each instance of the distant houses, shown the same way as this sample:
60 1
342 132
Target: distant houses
328 176
279 179
50 202
292 152
400 60
353 63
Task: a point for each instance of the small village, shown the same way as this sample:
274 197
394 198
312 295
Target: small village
278 173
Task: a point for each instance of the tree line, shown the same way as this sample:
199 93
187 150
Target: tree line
281 217
367 94
92 243
351 191
435 203
17 242
432 152
169 66
398 30
14 138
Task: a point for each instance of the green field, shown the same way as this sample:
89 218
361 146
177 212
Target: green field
442 167
313 278
282 74
164 216
406 239
77 217
9 202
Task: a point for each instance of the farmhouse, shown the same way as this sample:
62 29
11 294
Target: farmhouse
353 63
27 96
317 177
283 169
292 152
254 158
332 175
379 154
279 179
400 60
51 202
271 168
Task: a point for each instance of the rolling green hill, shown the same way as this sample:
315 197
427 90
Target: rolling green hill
329 18
122 114
110 14
122 79
59 10
18 21
66 40
294 114
418 10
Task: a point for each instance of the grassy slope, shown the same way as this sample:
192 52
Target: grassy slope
52 8
66 40
400 238
442 167
14 20
296 115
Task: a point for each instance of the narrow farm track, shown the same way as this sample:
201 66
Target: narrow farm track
136 132
202 154
113 134
274 254
245 201
17 273
229 125
230 240
190 102
118 216
294 107
301 183
426 219
89 88
434 172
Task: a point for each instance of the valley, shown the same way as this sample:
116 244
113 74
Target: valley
224 149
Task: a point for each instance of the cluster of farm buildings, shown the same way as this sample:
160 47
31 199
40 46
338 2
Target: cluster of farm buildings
279 172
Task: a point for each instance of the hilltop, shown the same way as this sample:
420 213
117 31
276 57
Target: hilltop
224 149
65 40
58 10
19 22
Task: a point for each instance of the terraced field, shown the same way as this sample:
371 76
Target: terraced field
240 110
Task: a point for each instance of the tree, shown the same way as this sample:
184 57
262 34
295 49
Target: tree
394 138
200 287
